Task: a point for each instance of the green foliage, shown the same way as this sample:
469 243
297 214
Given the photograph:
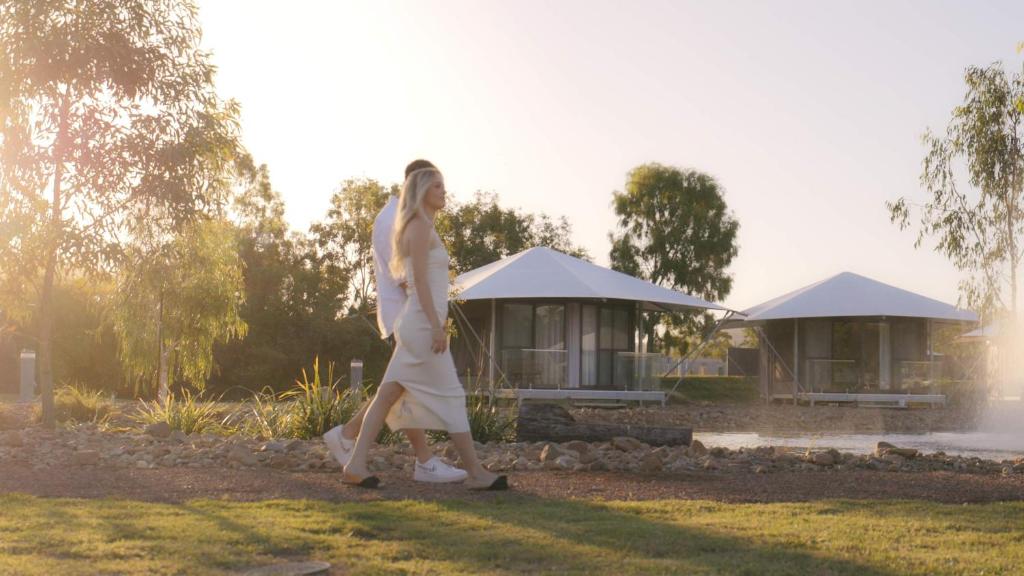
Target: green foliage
480 231
76 403
978 224
487 422
319 405
111 127
674 229
188 413
179 300
724 389
345 238
313 406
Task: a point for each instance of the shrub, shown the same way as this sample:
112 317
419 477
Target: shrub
190 414
76 403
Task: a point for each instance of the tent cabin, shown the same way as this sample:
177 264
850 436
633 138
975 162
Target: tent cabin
851 339
542 324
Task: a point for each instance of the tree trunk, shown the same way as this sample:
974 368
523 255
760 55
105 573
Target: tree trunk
46 316
163 389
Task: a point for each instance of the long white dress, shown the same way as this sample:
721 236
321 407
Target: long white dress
434 398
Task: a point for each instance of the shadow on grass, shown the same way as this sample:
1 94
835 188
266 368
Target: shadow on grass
557 537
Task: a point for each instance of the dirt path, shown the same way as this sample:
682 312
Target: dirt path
181 484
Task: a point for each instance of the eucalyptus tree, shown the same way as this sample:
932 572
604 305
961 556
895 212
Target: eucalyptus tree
108 115
973 174
675 229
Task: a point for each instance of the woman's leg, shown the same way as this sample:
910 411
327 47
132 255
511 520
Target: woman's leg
373 421
478 475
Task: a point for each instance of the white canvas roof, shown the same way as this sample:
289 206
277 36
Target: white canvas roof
546 273
981 334
850 294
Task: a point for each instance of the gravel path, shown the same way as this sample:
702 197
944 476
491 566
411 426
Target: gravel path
181 484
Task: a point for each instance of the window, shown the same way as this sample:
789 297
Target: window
517 326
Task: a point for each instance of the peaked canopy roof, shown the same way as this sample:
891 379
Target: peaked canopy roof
546 273
850 294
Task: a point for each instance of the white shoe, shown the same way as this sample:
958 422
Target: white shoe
435 470
340 447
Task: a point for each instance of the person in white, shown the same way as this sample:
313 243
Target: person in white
391 298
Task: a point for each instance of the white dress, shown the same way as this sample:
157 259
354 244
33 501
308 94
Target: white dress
434 398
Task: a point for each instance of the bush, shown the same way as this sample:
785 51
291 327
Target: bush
76 403
311 408
190 414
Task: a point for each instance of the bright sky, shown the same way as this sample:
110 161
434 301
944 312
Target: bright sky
808 113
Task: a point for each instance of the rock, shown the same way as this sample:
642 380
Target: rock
178 436
273 446
822 459
598 466
650 463
697 449
294 445
710 464
565 462
626 444
883 448
551 452
760 470
242 456
894 459
578 446
159 430
12 440
521 463
588 457
85 457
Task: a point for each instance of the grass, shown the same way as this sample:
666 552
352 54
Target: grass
726 389
510 536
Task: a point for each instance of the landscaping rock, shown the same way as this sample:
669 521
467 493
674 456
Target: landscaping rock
697 449
85 458
578 446
651 463
159 430
551 452
626 444
822 459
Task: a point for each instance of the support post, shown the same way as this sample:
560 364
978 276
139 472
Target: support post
796 359
491 344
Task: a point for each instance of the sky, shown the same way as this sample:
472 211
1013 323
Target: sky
808 113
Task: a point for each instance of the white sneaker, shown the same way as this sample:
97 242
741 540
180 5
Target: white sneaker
340 447
436 470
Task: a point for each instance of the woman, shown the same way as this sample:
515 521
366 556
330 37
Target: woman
420 389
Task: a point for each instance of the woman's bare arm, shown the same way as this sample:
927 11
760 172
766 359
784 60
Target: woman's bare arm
419 236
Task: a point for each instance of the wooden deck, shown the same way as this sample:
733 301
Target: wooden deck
889 400
575 394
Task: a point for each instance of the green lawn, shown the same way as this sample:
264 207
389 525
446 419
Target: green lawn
513 535
728 389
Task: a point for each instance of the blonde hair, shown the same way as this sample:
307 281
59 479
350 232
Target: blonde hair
410 205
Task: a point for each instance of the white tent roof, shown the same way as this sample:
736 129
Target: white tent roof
546 273
850 294
984 333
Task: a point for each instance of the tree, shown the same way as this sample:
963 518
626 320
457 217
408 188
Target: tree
480 231
174 304
108 114
674 229
978 226
345 237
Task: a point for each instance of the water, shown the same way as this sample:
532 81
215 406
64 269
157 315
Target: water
988 445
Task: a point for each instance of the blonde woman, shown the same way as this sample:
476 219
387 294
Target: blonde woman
420 389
